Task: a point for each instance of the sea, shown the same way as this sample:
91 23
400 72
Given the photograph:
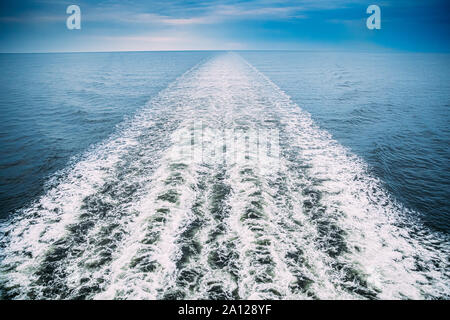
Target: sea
225 175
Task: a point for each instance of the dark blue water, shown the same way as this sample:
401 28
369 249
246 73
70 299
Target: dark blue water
54 106
391 109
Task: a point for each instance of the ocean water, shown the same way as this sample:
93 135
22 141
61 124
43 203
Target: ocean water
393 110
55 106
249 175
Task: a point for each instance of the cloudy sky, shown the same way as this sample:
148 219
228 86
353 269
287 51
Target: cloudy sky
129 25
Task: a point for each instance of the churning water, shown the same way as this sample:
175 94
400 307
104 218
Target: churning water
222 187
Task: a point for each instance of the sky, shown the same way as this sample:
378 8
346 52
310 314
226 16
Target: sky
133 25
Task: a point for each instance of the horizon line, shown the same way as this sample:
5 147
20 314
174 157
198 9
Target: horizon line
384 50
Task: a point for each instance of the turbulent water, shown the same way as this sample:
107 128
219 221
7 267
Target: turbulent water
220 188
391 109
54 106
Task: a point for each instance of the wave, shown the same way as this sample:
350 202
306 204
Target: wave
220 188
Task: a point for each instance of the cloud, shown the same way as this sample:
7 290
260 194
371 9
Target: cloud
33 18
196 14
166 42
151 18
178 13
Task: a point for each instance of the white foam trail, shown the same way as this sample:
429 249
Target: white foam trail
396 257
186 202
32 233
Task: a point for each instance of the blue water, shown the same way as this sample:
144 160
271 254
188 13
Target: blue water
54 106
391 109
221 175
